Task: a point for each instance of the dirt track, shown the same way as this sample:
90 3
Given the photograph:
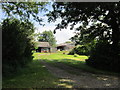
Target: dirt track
82 79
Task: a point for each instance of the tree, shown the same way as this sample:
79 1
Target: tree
17 45
47 36
84 13
25 11
17 33
99 20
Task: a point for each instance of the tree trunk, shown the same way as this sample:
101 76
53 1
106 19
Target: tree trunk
115 38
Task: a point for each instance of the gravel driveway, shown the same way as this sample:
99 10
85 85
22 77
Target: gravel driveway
82 79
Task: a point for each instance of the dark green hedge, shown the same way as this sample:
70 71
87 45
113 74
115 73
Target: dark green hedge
102 57
80 50
16 45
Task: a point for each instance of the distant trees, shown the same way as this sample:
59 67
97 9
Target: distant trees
98 21
47 36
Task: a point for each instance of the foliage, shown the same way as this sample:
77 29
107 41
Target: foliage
76 55
68 42
95 33
17 33
17 44
83 49
80 50
100 15
47 36
102 57
97 21
24 10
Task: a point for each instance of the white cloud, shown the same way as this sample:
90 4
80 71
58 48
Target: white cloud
61 36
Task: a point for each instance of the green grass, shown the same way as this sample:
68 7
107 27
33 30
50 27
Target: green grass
58 56
35 75
77 62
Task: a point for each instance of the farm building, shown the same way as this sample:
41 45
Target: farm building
43 47
65 46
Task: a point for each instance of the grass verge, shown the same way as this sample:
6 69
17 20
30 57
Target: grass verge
33 76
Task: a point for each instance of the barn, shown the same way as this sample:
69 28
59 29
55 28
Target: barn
43 47
65 46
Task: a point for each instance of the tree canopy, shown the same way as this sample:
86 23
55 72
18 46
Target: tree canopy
96 20
47 36
24 11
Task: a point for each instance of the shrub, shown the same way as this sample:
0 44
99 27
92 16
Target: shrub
80 50
102 57
17 45
76 55
72 52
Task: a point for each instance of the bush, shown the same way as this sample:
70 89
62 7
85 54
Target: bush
17 45
76 55
102 57
80 50
72 52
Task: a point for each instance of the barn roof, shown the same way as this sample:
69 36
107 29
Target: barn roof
65 44
43 44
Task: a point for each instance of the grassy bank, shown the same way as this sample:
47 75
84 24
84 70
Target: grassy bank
33 76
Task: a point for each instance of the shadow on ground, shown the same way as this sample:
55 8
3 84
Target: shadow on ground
67 75
72 76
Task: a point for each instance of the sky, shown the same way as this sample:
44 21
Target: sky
61 36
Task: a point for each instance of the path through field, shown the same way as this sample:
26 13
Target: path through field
71 77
